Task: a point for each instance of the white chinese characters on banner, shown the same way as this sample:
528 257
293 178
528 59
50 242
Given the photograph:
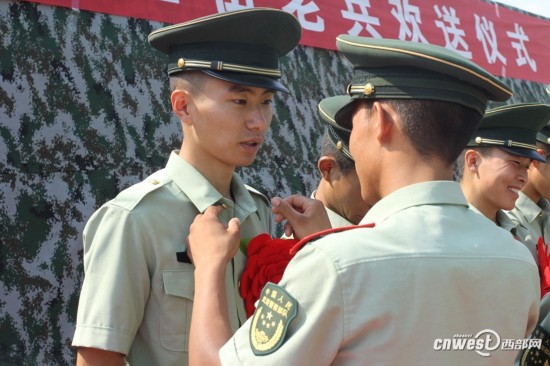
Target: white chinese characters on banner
409 19
360 18
519 45
506 43
485 33
406 14
448 22
224 6
301 10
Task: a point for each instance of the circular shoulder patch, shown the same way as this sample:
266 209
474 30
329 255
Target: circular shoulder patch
276 309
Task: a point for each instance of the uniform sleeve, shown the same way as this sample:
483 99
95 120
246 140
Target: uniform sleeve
116 281
314 335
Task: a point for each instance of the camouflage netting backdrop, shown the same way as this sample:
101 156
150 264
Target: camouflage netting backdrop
84 113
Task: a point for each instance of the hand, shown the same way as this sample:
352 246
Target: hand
210 241
304 215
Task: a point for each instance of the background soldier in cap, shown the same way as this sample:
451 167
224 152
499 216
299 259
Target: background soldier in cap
493 168
338 188
137 295
420 269
532 211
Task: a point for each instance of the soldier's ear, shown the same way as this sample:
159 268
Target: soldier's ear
472 159
386 119
180 102
326 165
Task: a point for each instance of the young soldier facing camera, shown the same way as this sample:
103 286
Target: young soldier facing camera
137 296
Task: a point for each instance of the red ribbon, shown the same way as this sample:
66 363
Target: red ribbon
544 267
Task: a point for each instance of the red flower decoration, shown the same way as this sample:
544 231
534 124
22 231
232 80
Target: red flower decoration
544 267
267 260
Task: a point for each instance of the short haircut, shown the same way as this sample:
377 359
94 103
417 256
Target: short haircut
192 79
328 149
436 128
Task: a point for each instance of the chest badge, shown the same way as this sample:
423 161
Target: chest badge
276 309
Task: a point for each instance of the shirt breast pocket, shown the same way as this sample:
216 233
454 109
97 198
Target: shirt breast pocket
177 303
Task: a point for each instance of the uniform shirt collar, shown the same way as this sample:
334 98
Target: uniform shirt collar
506 223
544 204
336 220
502 220
425 193
202 193
528 207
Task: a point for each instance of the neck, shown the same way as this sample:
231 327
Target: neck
321 193
476 199
325 194
488 212
412 171
218 175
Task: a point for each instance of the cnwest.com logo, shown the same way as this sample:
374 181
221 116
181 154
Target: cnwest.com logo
483 343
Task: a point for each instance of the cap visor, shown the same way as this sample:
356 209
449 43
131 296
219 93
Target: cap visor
328 108
344 116
526 153
257 81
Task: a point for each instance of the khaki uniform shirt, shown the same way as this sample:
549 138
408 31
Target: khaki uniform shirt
430 269
502 221
535 217
137 297
505 222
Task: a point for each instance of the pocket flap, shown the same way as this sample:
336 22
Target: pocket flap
179 282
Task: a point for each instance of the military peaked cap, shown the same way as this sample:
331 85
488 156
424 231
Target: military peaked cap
241 46
394 69
338 135
513 128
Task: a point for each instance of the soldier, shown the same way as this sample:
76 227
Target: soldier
532 210
338 188
137 295
421 268
493 167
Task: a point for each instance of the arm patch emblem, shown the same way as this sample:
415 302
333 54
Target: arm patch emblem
276 309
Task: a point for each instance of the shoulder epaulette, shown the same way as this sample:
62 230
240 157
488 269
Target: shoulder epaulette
131 196
322 234
258 193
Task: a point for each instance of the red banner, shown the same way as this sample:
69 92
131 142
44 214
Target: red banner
504 42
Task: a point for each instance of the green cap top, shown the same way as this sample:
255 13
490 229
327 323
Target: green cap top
241 46
513 128
395 69
338 135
